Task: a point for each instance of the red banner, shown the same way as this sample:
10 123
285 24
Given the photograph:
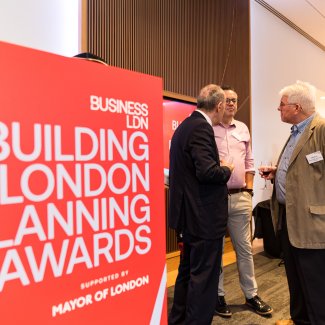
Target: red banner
82 236
175 112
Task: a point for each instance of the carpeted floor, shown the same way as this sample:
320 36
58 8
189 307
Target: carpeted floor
273 289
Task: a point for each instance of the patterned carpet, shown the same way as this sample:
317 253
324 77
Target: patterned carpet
273 289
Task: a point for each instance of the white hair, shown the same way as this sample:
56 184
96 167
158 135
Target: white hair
302 93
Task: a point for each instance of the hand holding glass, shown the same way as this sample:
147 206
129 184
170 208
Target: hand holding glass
265 170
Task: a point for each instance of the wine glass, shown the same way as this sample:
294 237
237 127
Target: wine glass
265 169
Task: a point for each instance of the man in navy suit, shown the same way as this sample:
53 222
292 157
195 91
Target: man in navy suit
198 208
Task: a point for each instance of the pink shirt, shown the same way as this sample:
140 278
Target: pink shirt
234 141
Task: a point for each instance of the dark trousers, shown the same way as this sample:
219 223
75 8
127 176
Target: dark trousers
305 269
197 282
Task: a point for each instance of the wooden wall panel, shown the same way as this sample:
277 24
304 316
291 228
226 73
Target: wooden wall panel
189 43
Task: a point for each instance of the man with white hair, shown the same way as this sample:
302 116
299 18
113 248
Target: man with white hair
298 204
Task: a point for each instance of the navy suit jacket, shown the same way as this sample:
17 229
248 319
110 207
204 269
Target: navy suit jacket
198 203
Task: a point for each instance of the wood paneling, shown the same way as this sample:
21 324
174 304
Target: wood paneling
189 43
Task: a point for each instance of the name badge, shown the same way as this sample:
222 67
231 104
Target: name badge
314 157
236 136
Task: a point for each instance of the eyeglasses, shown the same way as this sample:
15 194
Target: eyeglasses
229 100
287 104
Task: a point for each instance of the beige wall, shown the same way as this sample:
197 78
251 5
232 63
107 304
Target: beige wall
279 57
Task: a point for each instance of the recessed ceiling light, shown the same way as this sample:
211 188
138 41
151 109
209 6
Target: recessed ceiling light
322 97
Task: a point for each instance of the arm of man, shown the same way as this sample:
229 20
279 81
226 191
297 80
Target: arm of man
249 166
249 180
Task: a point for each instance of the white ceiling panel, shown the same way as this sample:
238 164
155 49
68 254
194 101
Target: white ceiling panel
318 5
308 15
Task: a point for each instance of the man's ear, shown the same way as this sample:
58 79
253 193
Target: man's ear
219 106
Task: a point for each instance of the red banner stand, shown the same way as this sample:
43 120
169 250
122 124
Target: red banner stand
82 236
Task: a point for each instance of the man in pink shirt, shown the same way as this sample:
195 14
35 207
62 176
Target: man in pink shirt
233 142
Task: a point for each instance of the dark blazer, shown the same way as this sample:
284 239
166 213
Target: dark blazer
198 192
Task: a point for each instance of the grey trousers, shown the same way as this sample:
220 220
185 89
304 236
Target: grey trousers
239 227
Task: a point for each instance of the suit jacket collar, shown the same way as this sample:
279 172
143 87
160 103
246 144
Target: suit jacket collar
304 137
204 115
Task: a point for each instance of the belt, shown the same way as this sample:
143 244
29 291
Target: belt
238 190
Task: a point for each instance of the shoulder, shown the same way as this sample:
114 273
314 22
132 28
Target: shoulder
241 125
242 130
319 123
198 120
318 129
194 125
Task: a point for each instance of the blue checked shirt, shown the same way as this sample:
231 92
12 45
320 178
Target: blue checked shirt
280 177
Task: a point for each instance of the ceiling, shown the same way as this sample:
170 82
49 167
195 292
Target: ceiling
307 15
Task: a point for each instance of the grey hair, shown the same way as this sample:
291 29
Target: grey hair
302 93
210 96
